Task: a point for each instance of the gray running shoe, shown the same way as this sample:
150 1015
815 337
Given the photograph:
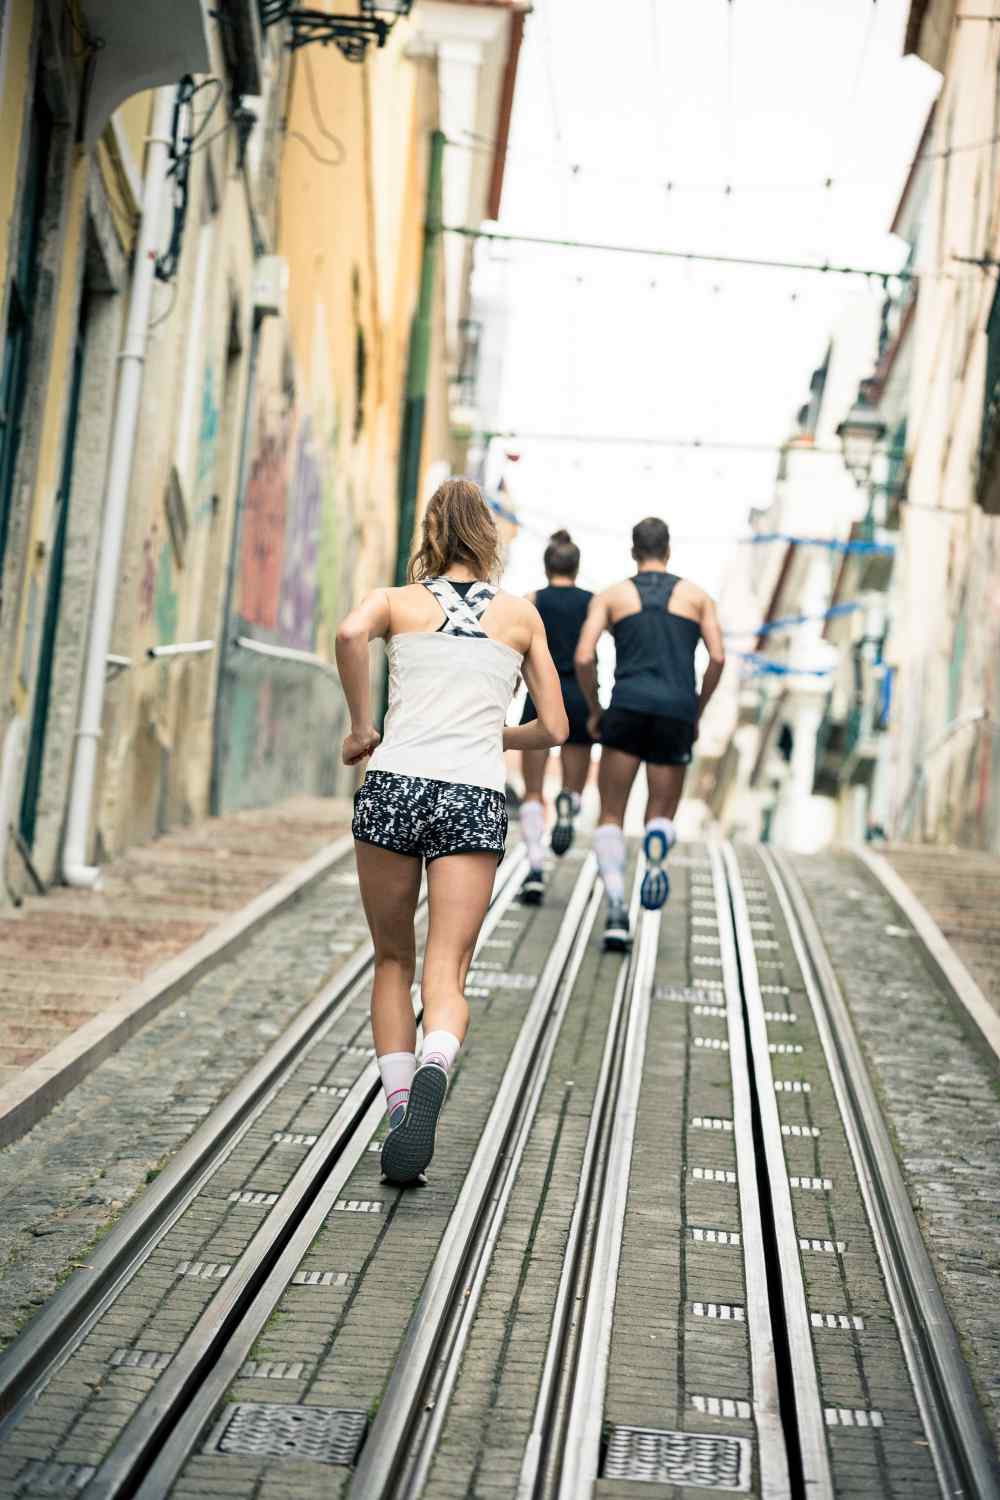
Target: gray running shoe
562 833
616 931
407 1150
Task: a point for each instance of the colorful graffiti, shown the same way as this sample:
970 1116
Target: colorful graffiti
299 583
265 510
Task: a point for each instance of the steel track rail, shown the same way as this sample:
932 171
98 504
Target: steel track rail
772 1453
541 1456
814 1453
581 1448
963 1454
387 1447
159 1437
64 1322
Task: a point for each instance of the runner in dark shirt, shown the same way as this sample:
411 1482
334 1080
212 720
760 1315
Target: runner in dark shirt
657 620
563 608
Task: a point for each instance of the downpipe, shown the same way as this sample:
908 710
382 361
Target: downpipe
76 871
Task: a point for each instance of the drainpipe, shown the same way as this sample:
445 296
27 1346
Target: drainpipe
75 869
412 441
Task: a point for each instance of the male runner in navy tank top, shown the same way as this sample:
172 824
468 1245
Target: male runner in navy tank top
657 620
563 608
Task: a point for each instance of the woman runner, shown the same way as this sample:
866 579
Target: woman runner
434 792
563 608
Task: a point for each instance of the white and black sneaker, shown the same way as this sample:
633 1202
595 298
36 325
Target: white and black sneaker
616 929
532 892
407 1149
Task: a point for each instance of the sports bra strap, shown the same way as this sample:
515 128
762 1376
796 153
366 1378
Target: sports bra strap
461 616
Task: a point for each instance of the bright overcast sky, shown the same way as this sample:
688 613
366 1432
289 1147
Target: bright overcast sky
614 104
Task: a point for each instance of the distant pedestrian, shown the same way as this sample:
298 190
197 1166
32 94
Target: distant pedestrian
657 621
563 608
434 792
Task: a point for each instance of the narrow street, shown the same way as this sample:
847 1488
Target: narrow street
715 1215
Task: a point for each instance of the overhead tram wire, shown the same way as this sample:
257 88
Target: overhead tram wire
555 242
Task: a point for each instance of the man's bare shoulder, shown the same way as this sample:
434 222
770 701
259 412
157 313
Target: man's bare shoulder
692 593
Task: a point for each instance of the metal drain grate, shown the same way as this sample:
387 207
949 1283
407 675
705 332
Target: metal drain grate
704 1461
324 1434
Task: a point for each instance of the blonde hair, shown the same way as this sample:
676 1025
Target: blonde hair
458 527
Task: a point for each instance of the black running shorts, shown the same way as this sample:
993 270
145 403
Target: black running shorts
654 738
576 711
428 819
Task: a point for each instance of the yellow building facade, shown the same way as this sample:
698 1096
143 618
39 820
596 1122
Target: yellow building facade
209 455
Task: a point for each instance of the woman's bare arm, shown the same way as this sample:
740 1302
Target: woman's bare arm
368 621
552 726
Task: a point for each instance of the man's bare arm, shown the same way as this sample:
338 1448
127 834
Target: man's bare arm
711 634
585 657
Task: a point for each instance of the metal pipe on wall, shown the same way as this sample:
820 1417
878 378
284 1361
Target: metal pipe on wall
76 870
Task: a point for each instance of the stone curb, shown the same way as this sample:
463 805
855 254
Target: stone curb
45 1082
945 960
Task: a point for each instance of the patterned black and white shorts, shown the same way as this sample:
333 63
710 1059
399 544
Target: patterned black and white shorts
414 815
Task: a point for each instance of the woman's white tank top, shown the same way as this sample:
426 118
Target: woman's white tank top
449 691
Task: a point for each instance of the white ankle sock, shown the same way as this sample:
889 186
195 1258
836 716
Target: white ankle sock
609 846
664 826
441 1048
397 1070
577 802
533 831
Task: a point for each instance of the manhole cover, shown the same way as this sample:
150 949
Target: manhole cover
324 1434
698 1459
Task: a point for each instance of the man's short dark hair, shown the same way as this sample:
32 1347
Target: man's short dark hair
650 538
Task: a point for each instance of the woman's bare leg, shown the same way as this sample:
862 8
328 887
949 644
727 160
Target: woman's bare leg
459 890
390 886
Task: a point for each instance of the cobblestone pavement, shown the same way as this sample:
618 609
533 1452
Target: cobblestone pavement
153 902
682 1361
65 1183
961 890
940 1095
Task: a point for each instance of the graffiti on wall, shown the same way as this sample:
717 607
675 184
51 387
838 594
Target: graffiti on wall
299 583
265 512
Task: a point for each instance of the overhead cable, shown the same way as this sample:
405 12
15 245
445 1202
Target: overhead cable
555 242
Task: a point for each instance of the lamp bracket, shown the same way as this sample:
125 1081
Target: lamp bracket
352 35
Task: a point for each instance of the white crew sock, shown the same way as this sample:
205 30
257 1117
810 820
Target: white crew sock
440 1048
397 1070
609 846
533 831
664 826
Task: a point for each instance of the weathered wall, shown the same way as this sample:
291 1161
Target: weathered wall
319 512
947 635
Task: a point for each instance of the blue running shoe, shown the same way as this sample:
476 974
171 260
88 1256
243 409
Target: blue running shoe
655 882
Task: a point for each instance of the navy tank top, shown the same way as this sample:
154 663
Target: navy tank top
654 670
563 611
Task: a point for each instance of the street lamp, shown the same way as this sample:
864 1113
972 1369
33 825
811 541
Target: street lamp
860 433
